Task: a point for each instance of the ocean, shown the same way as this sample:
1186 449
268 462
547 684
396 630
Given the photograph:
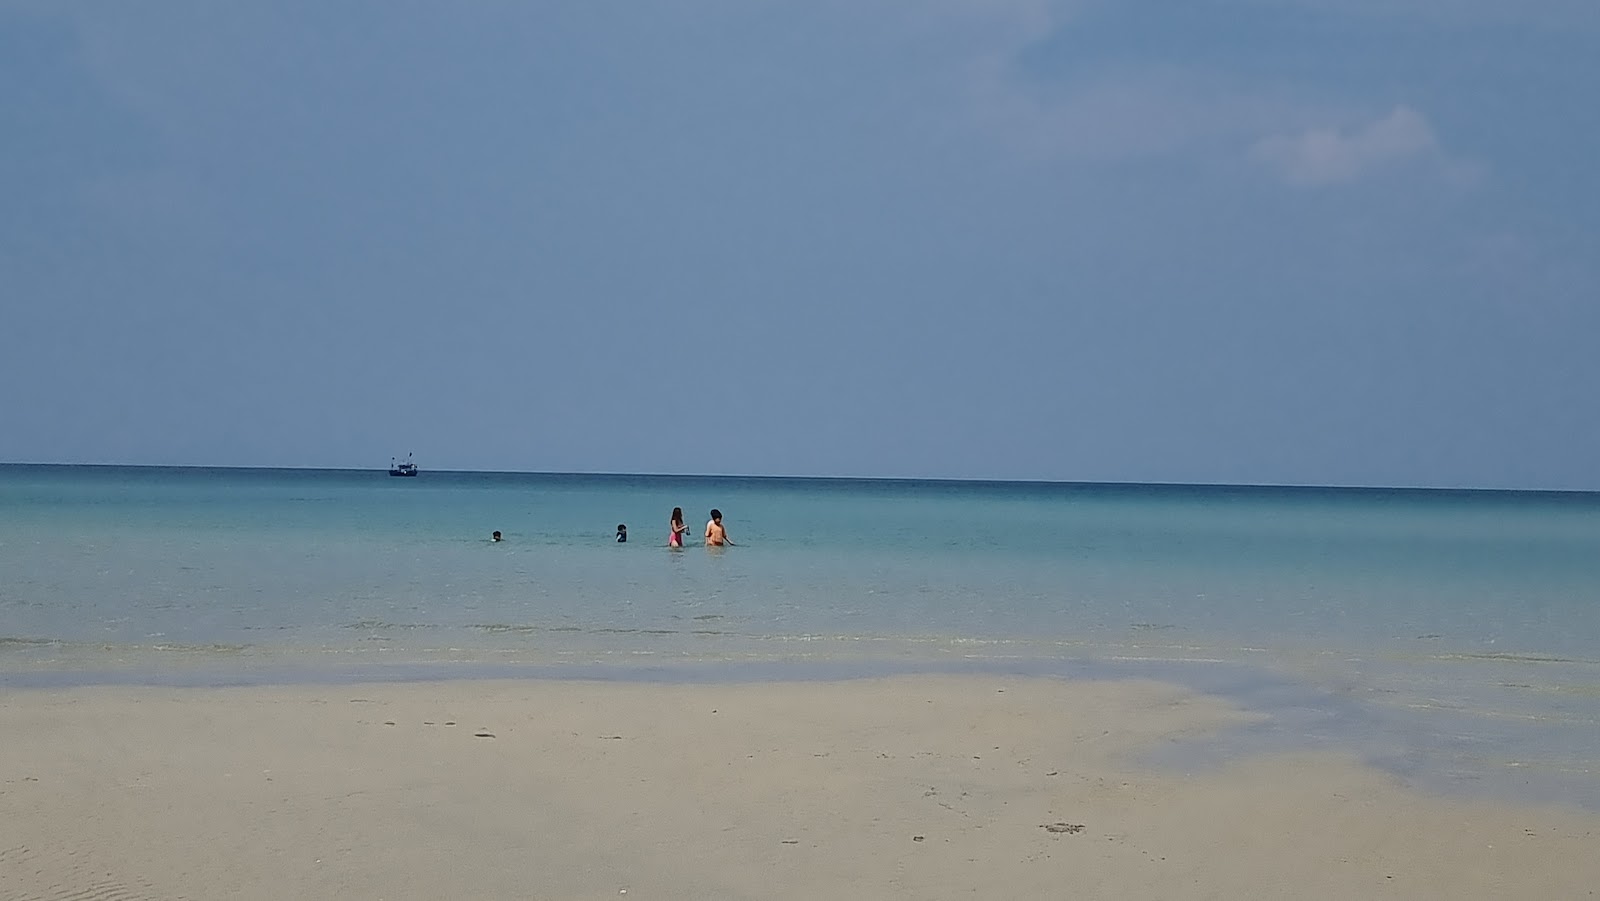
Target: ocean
1453 634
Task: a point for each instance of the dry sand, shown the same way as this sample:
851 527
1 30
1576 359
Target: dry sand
912 787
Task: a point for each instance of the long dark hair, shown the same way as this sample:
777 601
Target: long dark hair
677 515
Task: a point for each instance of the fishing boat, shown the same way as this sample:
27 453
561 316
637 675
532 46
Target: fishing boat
397 468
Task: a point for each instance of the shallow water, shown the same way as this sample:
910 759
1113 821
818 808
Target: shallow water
1470 616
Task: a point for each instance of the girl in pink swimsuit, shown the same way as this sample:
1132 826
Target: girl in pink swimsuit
678 528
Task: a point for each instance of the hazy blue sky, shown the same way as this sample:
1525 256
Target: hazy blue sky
1306 241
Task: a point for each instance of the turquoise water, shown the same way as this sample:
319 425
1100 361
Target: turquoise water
1483 605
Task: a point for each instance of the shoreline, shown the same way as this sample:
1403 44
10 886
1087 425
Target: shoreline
934 785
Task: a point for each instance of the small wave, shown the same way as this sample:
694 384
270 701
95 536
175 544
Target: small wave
218 648
370 624
1581 690
503 628
1124 658
1509 657
18 641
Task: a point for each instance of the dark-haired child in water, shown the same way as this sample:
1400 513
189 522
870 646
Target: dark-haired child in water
622 533
716 535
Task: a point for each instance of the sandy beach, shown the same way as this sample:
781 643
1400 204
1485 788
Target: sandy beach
907 787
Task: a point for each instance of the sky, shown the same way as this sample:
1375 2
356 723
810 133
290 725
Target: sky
1227 241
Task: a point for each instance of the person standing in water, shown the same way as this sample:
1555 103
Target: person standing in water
622 533
716 535
678 528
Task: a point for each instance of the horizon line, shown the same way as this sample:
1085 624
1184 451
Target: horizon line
827 478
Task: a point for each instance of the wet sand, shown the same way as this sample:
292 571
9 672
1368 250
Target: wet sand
904 787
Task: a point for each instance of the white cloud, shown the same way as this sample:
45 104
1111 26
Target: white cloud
1107 112
1561 14
1011 22
1323 156
1113 111
1118 116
